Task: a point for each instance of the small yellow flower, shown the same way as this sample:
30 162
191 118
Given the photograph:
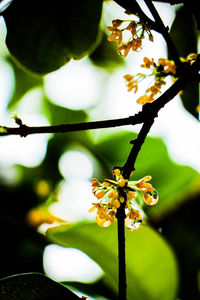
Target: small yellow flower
142 183
133 219
121 191
117 22
99 194
136 44
132 27
96 206
122 182
145 99
95 182
116 34
113 194
168 65
131 195
116 172
147 63
131 83
116 203
128 77
134 214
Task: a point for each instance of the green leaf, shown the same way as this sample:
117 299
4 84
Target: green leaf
190 98
175 184
183 32
61 115
23 83
33 286
184 35
106 56
42 36
149 260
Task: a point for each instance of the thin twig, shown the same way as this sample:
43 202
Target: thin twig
134 8
164 32
24 130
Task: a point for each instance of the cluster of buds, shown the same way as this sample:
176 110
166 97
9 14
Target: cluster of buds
159 71
112 193
136 30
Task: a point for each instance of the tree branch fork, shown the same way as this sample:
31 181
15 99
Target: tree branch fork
149 111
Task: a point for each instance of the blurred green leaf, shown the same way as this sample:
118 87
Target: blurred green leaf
184 35
181 229
174 184
48 169
33 286
94 289
61 115
183 32
190 98
149 258
23 83
106 56
44 36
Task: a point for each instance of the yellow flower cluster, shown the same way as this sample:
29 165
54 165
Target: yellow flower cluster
136 31
112 193
163 68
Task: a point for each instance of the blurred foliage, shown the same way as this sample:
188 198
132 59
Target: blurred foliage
23 83
185 36
142 265
34 286
106 56
163 257
58 35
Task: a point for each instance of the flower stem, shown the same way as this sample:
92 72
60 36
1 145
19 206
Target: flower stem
121 251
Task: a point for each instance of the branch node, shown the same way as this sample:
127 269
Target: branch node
149 111
132 142
23 130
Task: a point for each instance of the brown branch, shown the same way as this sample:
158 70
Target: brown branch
150 109
24 130
121 249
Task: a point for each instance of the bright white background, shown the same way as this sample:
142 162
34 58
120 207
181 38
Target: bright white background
76 86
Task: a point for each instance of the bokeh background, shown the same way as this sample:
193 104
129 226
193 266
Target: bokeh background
46 178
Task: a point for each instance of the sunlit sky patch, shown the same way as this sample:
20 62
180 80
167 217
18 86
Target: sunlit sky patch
31 150
7 85
75 86
58 259
76 164
75 198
